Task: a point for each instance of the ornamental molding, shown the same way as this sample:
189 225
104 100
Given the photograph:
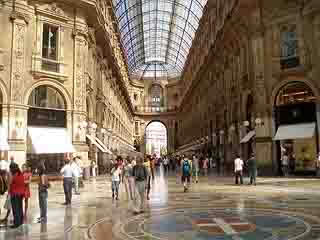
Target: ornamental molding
19 15
52 10
1 59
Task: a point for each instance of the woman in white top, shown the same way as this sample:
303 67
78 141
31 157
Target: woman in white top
116 176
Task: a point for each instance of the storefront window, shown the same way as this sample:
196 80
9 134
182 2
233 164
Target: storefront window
294 111
47 111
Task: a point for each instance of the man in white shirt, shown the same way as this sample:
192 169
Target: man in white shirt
76 174
238 167
67 173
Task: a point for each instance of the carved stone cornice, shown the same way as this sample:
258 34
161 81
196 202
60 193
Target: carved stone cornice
80 33
19 15
53 11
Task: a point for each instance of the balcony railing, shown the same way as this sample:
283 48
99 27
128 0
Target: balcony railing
146 109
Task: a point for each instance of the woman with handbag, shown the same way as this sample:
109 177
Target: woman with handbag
43 194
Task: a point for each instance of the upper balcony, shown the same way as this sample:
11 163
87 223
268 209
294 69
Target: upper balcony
150 110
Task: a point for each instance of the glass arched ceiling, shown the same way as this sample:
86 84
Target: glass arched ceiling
157 32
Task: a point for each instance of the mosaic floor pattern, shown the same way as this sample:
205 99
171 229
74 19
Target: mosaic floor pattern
219 224
214 209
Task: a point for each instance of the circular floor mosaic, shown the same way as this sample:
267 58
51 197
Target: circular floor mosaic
220 224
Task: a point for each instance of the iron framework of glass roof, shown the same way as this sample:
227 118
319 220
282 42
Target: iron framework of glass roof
157 34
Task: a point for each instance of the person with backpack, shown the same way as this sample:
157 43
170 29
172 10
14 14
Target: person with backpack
186 167
43 186
140 174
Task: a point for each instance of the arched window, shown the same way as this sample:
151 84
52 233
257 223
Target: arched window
293 93
156 95
47 107
46 97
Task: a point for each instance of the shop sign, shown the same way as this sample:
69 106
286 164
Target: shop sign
46 117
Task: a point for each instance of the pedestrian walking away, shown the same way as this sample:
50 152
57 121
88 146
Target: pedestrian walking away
140 174
67 173
186 168
252 168
43 187
238 169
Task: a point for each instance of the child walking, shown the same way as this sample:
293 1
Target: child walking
116 176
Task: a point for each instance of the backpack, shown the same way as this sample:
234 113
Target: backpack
140 173
186 167
3 184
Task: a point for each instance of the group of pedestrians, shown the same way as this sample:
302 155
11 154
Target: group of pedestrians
15 192
136 177
71 173
239 166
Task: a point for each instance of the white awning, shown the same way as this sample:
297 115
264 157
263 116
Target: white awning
50 140
104 146
248 136
93 141
4 146
295 131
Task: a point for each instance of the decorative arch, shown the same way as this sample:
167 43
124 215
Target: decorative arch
283 83
151 121
59 87
152 141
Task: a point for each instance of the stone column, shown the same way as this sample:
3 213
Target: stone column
79 88
15 116
263 146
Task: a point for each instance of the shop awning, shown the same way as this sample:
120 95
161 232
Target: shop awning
50 140
98 144
248 136
4 146
295 131
103 145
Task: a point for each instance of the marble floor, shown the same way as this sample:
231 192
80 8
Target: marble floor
215 208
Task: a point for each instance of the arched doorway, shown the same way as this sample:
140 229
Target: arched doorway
296 132
48 139
156 139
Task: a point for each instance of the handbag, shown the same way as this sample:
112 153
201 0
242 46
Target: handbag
7 204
